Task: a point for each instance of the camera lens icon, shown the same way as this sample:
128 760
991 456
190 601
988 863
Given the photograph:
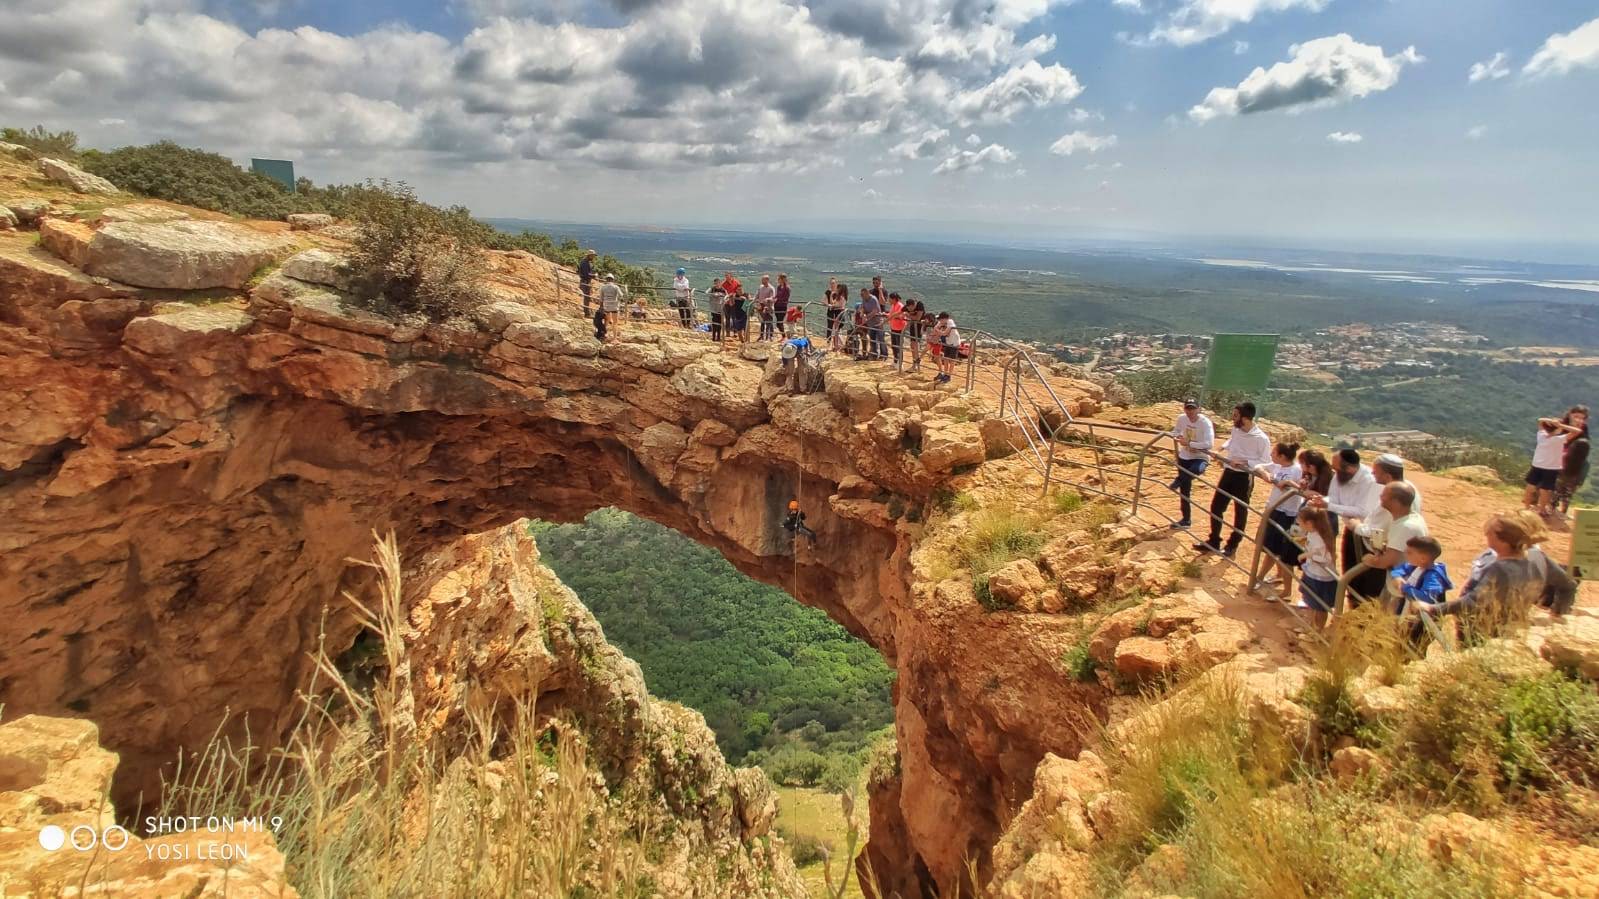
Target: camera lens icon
83 838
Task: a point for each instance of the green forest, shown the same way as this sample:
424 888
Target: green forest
781 684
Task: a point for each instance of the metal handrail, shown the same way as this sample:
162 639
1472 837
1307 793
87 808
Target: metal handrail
1341 595
1019 372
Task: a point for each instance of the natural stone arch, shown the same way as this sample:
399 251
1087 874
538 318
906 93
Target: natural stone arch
190 482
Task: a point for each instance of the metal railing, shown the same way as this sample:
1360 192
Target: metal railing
1026 399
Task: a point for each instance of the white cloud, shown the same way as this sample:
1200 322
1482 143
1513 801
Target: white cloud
870 194
1475 132
888 172
1134 5
1323 72
973 140
1491 69
1345 137
113 122
1080 115
1082 142
674 84
1196 21
920 147
1240 48
1560 53
974 160
1029 85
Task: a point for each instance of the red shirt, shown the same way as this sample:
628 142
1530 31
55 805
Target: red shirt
731 286
896 316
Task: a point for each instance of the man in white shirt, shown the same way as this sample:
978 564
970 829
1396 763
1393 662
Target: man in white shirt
684 294
1354 497
1195 434
1404 522
1247 446
1389 468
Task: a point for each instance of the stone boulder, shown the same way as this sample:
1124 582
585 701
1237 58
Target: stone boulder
949 445
67 239
179 330
76 178
309 221
1475 474
8 219
318 267
28 210
142 212
1355 762
1574 645
1021 585
757 801
17 150
54 777
183 255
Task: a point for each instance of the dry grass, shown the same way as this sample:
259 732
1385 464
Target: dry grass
369 808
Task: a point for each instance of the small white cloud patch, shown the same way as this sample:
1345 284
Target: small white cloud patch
1324 72
1561 53
1345 137
1491 69
1082 142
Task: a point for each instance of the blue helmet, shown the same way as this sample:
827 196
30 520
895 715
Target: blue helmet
682 271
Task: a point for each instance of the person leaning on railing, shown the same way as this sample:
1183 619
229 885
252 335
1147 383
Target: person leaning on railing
1246 447
1195 435
1284 475
683 298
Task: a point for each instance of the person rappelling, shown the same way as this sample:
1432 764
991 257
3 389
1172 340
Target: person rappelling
794 523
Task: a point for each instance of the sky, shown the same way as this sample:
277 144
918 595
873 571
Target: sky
1369 123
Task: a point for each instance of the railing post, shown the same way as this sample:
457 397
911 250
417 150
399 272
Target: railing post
1049 463
971 364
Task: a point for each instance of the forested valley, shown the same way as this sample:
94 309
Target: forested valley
781 684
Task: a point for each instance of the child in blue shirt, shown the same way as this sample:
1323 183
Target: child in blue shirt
1421 578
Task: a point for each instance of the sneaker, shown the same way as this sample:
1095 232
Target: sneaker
1207 547
1181 525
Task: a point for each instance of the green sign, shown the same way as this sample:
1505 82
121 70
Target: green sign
1240 363
279 170
1585 542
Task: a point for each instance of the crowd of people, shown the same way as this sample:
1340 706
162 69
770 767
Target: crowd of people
1337 518
881 325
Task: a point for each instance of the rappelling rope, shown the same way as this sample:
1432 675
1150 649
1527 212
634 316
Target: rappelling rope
799 497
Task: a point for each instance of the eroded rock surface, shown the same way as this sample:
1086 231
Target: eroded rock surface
181 479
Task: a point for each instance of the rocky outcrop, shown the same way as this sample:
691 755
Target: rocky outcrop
183 255
53 782
309 221
76 178
179 475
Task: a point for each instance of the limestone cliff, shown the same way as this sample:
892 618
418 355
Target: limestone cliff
189 472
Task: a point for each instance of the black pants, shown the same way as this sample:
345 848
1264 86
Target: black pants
897 339
832 322
1368 584
1187 470
716 326
779 316
685 313
1238 484
586 287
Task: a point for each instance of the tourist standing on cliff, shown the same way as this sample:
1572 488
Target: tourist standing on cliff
873 310
1574 464
716 299
765 306
1353 496
837 298
896 328
585 279
1245 448
915 330
1195 434
1282 473
611 294
1548 458
780 304
684 295
944 342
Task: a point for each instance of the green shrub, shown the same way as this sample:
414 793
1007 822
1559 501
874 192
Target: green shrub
1079 663
195 177
792 767
1067 501
805 848
841 773
59 144
409 257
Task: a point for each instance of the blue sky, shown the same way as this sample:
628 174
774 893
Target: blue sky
1297 121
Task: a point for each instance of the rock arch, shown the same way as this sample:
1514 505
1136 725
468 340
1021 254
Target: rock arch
182 485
